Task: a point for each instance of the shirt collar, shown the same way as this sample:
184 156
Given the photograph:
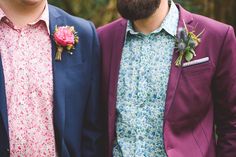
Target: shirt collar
43 17
2 14
169 24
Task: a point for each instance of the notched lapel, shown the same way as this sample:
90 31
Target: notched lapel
175 71
59 78
117 47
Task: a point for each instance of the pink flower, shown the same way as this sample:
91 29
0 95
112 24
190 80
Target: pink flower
64 36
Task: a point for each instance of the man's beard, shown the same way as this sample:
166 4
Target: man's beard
137 9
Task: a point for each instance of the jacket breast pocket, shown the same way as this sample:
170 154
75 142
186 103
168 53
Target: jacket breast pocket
197 69
193 94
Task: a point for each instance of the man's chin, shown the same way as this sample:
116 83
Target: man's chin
32 2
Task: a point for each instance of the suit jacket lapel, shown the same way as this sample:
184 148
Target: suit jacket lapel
3 103
117 47
175 72
59 78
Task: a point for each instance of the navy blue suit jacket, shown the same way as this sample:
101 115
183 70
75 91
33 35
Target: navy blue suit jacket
77 109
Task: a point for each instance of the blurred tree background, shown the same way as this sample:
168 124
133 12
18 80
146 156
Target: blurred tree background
104 11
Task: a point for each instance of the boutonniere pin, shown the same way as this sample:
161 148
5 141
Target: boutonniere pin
66 38
186 42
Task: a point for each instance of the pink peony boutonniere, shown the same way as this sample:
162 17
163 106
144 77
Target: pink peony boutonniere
186 42
65 37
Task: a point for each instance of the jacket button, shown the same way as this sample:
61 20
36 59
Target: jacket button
7 150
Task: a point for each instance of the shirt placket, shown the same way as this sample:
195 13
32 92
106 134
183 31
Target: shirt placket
20 88
142 91
22 68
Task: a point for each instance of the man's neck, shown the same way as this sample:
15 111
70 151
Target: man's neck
153 22
21 14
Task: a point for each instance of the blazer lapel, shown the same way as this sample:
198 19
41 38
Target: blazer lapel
3 103
117 47
59 78
175 72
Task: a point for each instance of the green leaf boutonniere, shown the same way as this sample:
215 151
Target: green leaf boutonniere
186 42
65 37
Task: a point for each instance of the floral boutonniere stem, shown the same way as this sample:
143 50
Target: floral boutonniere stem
186 42
66 38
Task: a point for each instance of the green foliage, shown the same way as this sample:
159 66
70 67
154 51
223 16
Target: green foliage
98 11
104 11
189 6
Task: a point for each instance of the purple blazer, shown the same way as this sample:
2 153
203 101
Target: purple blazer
198 96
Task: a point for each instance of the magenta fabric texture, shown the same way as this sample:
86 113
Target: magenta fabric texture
198 96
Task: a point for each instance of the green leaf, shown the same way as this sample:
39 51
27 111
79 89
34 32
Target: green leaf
188 56
193 52
178 62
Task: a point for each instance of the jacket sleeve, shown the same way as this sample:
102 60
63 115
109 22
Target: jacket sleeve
93 131
224 94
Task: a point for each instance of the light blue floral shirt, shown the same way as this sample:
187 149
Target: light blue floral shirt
142 85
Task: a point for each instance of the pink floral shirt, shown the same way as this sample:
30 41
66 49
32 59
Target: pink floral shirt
27 67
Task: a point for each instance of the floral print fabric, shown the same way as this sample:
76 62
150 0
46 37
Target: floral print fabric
27 67
141 93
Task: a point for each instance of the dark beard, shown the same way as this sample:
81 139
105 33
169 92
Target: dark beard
137 9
